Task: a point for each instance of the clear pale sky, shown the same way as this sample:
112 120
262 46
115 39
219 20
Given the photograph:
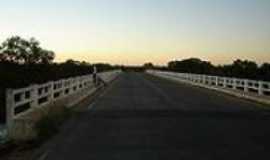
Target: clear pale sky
138 31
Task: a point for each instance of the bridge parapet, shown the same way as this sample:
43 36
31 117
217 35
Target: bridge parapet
20 103
250 89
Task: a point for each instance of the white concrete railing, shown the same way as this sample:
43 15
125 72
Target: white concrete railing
21 101
261 88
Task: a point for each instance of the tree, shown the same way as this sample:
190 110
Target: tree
148 65
239 68
265 72
46 57
191 65
11 49
72 62
244 69
21 51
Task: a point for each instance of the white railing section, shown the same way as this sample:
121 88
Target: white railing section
20 101
261 88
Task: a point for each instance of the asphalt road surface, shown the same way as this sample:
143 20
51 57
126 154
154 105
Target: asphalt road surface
140 117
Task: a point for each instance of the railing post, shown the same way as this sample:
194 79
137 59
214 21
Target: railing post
234 83
260 88
216 78
10 113
70 88
34 96
204 79
246 86
224 82
51 91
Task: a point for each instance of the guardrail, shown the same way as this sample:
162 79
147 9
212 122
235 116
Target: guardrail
260 88
21 101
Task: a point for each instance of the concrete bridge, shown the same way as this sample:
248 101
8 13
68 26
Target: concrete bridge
141 116
144 117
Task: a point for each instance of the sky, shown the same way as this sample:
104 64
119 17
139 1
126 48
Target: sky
137 31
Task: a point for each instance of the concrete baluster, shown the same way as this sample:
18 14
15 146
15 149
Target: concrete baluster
51 92
34 96
246 86
260 88
204 79
10 110
224 82
216 79
234 83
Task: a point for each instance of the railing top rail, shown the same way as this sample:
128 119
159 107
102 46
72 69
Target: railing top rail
22 90
246 85
29 87
195 74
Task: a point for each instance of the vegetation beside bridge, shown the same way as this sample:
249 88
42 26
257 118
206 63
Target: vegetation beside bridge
238 69
24 62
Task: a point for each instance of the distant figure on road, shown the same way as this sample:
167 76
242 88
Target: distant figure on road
97 79
95 76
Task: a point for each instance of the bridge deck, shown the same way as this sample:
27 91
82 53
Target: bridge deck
142 117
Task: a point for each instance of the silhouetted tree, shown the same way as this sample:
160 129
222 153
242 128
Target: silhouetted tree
21 51
103 66
265 72
239 68
148 65
244 69
192 65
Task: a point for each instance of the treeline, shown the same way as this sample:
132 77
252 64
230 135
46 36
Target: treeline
14 75
239 68
24 62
